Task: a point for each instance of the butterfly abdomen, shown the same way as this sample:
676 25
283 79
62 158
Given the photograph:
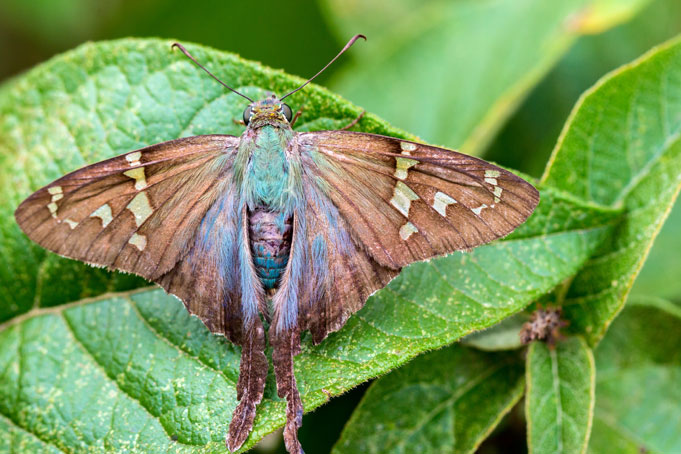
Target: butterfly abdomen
270 235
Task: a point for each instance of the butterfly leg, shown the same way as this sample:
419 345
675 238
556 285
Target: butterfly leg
251 384
354 122
286 345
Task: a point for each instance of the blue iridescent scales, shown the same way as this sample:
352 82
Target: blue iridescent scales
294 230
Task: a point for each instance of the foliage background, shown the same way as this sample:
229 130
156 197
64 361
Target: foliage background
300 37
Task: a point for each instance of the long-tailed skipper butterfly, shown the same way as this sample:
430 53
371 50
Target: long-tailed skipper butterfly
291 229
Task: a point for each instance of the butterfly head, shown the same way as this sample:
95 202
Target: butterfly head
268 111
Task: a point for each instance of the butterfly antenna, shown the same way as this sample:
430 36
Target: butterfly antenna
347 46
188 55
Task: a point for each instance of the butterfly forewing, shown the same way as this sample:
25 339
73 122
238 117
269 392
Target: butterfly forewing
136 212
407 201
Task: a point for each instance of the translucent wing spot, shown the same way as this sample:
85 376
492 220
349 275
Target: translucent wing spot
140 208
402 198
104 213
407 230
441 202
402 167
406 146
479 209
492 181
73 224
492 173
134 158
139 241
57 194
139 177
497 194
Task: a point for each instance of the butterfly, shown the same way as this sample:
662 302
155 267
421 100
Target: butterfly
290 230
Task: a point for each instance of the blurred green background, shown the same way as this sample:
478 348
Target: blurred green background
402 73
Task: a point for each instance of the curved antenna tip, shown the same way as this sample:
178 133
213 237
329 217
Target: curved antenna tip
188 55
347 46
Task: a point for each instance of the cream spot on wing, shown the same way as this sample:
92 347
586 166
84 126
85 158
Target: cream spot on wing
104 213
492 173
57 194
407 230
139 241
479 209
402 198
140 208
139 177
492 181
441 201
134 158
406 146
402 167
497 194
71 223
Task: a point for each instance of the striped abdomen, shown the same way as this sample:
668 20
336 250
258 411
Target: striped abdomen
270 235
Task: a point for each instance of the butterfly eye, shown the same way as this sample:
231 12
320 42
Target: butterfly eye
286 110
247 115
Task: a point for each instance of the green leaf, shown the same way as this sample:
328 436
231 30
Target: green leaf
445 401
659 275
457 70
621 149
560 396
161 381
503 336
638 386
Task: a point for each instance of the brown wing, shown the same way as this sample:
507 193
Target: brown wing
338 275
137 212
407 201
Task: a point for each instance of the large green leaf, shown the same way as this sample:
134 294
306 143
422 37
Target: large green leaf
651 193
560 396
452 71
161 382
638 385
621 149
446 401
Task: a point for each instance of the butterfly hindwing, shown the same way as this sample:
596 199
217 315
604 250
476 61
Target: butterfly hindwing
407 201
